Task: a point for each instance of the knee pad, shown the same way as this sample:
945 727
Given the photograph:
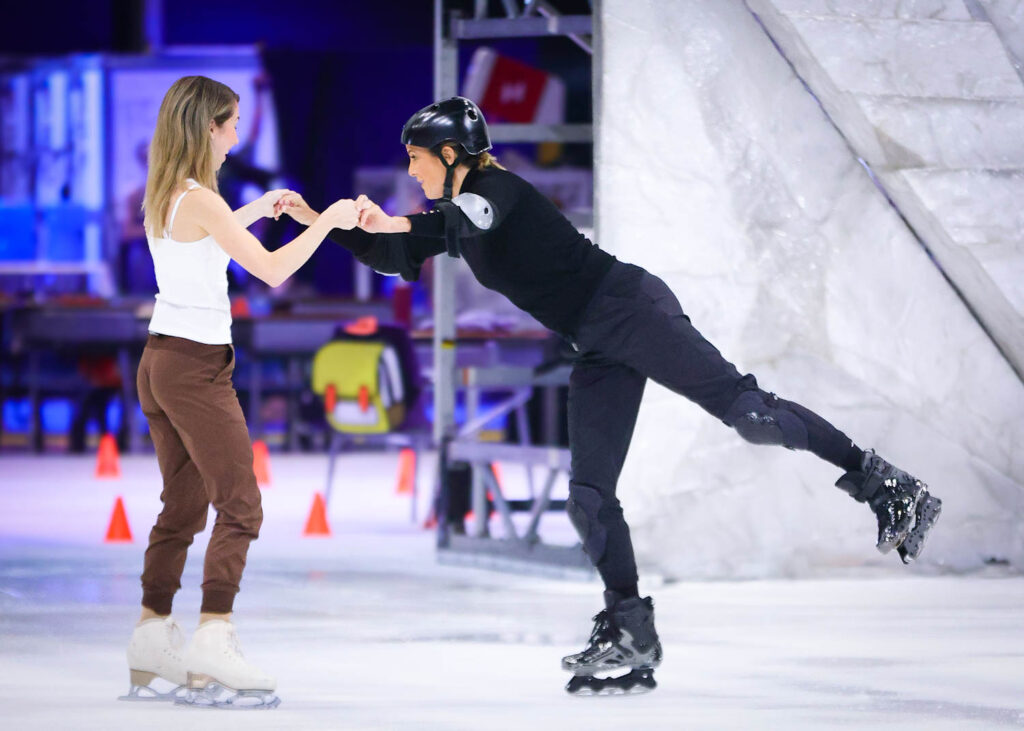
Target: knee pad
761 418
582 506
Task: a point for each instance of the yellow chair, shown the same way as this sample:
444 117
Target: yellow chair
361 382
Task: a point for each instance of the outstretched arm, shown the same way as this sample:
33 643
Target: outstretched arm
273 267
385 249
263 207
466 216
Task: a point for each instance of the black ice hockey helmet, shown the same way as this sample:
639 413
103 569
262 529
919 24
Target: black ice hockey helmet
457 119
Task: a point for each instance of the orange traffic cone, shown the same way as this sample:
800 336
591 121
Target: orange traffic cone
406 472
118 530
316 524
261 463
107 462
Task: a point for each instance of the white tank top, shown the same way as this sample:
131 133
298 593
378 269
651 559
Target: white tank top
192 279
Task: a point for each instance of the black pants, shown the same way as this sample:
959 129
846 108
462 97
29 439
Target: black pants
634 329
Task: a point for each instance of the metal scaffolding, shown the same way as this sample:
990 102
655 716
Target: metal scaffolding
519 549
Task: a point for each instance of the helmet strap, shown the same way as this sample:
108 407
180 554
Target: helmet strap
449 175
448 181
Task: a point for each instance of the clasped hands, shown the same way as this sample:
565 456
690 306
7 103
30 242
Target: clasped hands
345 213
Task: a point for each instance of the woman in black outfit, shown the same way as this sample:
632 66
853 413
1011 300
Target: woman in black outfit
626 326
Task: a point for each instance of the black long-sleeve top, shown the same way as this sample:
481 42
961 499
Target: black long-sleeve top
530 253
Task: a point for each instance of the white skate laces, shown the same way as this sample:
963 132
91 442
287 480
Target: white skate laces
218 673
156 664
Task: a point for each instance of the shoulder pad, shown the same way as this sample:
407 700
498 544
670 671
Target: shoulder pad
478 209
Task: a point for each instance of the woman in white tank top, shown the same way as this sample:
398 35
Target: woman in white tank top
184 385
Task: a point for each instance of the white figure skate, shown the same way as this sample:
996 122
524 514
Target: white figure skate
156 664
218 674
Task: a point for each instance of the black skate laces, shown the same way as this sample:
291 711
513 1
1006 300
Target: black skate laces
605 628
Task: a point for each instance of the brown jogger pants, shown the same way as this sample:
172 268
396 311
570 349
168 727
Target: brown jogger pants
202 446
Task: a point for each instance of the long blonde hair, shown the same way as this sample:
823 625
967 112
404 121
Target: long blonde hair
181 146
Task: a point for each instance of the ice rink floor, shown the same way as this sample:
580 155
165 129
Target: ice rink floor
365 630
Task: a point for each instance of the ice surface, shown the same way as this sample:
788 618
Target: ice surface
364 630
720 173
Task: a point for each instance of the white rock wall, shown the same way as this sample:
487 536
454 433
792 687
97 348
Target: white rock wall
926 100
915 9
1008 18
721 174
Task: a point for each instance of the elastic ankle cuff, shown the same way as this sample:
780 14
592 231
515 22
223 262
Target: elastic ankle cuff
217 602
159 603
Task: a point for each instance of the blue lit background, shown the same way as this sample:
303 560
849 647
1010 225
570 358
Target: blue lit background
342 78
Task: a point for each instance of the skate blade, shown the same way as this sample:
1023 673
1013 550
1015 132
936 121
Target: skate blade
147 687
211 694
636 682
636 690
928 511
147 694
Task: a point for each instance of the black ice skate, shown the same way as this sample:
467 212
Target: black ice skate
623 637
928 510
902 504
